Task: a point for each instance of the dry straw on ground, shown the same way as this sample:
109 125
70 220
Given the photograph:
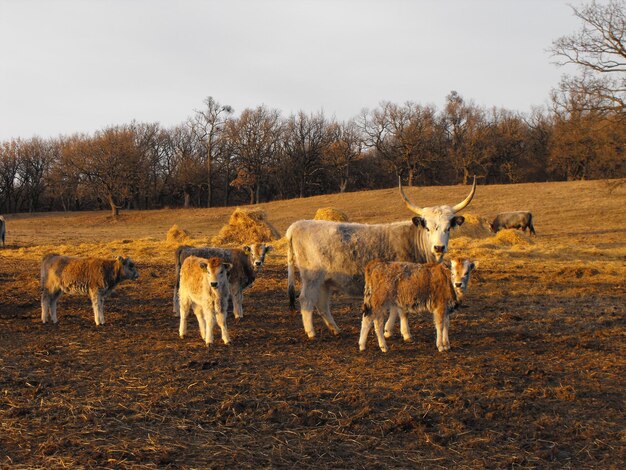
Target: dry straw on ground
246 226
512 237
331 214
177 235
473 227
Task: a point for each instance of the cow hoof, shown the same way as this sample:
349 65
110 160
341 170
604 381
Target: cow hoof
311 335
388 334
385 349
408 339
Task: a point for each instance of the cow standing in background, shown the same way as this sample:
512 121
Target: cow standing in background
204 288
519 219
3 229
331 256
93 276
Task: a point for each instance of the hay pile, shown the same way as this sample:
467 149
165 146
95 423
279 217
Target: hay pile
511 236
246 226
473 227
177 235
331 214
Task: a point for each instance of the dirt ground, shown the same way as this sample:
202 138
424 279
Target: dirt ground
536 376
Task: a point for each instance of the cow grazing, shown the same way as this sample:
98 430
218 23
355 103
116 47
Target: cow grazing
204 288
331 256
520 220
246 263
93 276
400 288
3 229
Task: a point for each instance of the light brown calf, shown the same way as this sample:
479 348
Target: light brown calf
399 288
204 288
93 276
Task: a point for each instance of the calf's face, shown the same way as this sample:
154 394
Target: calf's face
256 252
129 269
216 273
461 270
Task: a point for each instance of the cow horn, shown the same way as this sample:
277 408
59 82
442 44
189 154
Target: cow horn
412 207
467 200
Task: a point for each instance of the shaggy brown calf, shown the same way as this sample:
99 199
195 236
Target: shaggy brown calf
93 276
204 288
400 288
246 263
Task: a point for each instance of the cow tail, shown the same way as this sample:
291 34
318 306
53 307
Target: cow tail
291 273
367 301
531 226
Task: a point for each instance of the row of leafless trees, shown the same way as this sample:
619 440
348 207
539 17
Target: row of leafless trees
217 158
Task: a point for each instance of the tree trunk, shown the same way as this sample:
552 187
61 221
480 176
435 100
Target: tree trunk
115 209
209 167
411 175
187 200
465 175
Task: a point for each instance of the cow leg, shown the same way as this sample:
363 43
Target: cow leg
391 322
198 312
45 305
404 326
446 327
95 304
184 312
221 321
366 325
378 327
236 294
438 317
53 306
323 307
176 301
308 298
209 316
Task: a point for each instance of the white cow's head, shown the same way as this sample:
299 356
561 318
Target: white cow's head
437 221
217 273
256 252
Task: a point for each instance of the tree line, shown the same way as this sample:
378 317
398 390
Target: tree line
217 158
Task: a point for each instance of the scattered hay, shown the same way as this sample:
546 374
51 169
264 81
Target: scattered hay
331 214
511 236
473 227
177 235
246 226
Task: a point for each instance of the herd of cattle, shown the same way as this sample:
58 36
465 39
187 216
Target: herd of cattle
396 268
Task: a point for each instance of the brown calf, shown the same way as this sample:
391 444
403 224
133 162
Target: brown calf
204 288
400 288
93 276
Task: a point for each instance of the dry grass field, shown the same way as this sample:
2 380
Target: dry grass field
535 378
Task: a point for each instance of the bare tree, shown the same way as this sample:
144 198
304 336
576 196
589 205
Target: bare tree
599 48
305 139
255 142
207 124
345 147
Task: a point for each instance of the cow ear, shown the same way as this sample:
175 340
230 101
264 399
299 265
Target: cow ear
419 221
457 220
247 249
203 266
474 265
228 266
120 259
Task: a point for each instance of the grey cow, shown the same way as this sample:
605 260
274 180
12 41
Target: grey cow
519 219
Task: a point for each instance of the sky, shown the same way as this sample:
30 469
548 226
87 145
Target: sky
70 66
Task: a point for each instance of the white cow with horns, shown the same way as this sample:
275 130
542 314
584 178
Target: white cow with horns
331 256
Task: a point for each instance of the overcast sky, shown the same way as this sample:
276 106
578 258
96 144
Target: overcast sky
78 66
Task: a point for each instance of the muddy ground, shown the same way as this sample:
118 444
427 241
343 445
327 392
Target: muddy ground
535 377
